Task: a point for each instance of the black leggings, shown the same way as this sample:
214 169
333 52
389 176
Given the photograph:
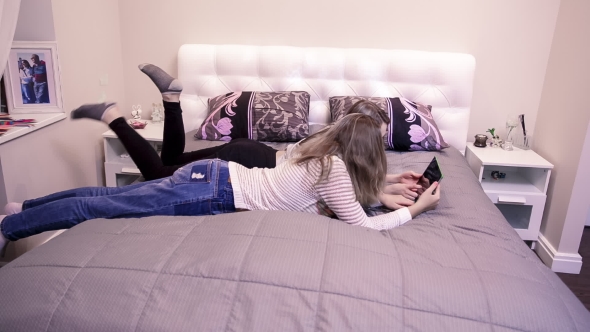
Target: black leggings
242 150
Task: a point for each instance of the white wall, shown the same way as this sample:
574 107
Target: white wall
577 210
68 154
509 39
563 127
35 21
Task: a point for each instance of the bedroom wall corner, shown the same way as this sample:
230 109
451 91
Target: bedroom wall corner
562 134
68 154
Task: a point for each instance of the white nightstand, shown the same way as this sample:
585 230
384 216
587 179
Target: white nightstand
521 195
121 171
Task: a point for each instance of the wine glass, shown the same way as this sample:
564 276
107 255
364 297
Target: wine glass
511 124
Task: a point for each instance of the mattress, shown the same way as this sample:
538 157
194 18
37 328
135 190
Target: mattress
460 267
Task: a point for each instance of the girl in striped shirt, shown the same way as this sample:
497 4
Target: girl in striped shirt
342 168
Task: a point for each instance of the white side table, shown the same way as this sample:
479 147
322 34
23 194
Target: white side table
521 195
120 171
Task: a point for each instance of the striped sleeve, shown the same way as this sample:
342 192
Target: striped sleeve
338 193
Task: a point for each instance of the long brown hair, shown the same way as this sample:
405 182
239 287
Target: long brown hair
367 108
371 109
356 139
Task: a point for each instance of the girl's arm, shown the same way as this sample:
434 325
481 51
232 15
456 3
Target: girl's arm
392 178
338 194
427 201
394 202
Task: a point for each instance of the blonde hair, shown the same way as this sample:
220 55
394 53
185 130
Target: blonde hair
356 139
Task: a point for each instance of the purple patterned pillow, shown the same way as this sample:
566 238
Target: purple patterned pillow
411 128
262 116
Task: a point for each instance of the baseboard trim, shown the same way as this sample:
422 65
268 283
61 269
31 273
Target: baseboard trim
558 262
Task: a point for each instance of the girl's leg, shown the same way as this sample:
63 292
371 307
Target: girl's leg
243 151
68 212
174 137
208 153
82 192
170 88
179 195
141 152
173 141
248 153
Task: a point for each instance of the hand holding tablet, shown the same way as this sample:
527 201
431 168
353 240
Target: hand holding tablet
431 174
430 200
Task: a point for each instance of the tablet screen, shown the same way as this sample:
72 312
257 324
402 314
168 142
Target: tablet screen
431 174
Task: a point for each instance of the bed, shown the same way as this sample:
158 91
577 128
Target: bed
460 267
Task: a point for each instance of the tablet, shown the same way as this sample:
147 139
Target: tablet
431 174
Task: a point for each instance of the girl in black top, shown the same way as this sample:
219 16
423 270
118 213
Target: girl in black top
400 190
244 151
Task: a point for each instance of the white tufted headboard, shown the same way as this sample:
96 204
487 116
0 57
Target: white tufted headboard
443 80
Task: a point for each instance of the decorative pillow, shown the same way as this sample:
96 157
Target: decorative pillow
412 127
261 116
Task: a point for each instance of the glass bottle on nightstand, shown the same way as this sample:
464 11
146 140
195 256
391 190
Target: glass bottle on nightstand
511 124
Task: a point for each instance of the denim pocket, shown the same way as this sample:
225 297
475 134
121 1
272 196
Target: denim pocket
197 172
201 173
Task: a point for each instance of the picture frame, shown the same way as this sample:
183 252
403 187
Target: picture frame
32 78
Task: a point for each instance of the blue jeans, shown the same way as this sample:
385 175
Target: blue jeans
198 188
28 93
41 93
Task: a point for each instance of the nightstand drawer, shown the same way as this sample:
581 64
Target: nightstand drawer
523 212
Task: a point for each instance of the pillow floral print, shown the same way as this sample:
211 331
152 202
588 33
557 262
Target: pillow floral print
412 127
264 116
423 132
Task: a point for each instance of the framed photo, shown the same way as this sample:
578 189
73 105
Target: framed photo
32 78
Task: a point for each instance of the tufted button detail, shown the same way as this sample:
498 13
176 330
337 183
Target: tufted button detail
443 80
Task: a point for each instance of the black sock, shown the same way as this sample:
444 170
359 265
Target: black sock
91 111
164 82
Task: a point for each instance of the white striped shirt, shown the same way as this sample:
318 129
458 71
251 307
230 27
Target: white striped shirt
293 187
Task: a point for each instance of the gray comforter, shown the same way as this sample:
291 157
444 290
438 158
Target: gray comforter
458 268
